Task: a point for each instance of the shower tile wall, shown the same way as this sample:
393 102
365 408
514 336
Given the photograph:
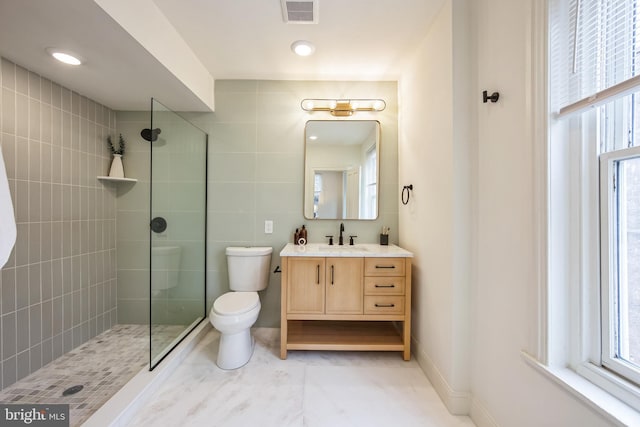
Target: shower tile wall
133 221
177 186
59 287
179 196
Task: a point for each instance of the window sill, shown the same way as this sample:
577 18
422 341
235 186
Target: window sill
612 409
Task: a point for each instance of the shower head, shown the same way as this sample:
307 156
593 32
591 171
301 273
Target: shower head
150 135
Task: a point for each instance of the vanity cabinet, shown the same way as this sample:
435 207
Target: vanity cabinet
353 301
325 285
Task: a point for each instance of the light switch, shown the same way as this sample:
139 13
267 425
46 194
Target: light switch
268 226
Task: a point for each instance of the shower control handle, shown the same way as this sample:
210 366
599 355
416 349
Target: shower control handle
158 224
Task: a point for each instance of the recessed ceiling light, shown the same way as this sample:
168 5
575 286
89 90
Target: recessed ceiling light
303 47
65 57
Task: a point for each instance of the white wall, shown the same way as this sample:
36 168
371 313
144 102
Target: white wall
475 276
435 223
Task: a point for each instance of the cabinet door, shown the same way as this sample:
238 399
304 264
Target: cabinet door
344 283
305 287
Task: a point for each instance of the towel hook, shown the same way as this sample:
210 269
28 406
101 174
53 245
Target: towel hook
408 189
493 97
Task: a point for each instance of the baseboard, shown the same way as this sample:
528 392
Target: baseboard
480 415
457 402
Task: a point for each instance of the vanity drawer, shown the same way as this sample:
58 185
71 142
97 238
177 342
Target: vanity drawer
384 266
383 304
384 285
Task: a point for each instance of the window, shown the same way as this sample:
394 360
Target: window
317 190
620 255
594 189
370 184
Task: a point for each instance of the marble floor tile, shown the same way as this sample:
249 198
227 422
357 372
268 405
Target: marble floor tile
314 389
373 396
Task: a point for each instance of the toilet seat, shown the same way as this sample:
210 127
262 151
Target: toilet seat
235 303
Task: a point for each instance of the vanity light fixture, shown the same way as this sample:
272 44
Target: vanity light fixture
303 48
343 107
63 56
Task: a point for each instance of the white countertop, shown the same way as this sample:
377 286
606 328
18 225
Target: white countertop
372 250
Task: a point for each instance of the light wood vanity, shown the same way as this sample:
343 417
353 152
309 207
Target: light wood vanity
346 298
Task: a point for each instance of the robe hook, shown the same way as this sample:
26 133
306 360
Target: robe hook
493 97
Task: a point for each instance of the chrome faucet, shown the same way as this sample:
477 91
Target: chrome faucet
340 239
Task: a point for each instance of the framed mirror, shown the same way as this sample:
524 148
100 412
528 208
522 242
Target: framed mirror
341 168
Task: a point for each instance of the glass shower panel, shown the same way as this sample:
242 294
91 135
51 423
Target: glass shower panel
178 228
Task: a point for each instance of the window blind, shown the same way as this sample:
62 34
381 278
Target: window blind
593 52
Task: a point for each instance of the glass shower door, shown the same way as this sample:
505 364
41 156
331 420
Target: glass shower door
178 229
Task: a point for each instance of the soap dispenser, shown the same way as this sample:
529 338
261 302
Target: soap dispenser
302 236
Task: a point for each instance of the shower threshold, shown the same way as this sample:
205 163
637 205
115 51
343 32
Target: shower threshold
136 392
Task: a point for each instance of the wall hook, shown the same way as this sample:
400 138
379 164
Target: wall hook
493 97
407 189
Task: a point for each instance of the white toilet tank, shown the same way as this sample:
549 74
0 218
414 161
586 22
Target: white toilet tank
248 268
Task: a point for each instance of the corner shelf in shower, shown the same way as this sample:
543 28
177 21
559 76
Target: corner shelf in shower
112 179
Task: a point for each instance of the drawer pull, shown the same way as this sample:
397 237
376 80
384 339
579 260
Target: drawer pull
332 275
385 305
385 266
318 274
385 286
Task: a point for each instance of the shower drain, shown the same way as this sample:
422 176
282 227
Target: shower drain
72 390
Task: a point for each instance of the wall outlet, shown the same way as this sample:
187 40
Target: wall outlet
268 226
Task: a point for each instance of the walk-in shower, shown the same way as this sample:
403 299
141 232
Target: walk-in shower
91 295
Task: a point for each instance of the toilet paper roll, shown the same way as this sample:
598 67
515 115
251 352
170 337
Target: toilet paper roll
302 241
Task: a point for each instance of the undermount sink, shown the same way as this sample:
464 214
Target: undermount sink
365 250
343 248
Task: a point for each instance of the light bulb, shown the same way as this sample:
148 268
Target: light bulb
302 48
64 57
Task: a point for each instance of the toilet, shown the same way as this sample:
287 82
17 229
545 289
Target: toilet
235 312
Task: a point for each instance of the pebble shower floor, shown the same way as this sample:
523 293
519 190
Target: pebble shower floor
102 366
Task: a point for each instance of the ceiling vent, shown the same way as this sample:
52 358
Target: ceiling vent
300 11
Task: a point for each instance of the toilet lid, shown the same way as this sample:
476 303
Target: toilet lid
236 303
